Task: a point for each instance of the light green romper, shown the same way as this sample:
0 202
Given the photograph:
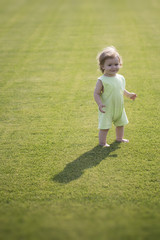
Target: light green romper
112 97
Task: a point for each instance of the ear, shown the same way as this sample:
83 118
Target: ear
102 66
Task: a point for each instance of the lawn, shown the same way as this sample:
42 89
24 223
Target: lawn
56 183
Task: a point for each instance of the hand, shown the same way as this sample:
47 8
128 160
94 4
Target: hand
101 108
133 96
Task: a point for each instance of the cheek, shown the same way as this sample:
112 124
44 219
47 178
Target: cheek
106 67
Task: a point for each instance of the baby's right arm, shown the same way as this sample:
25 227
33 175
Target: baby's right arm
97 94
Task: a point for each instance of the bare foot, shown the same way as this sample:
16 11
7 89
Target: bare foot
106 145
122 140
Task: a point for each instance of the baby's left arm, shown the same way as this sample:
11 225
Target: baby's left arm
130 95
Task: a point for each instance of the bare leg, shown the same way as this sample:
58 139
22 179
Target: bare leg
120 134
102 137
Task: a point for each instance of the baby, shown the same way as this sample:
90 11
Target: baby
108 95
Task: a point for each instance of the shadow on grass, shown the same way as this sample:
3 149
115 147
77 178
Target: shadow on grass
89 159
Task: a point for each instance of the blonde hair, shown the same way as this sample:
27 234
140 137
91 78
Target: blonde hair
109 52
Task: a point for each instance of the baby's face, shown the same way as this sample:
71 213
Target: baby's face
111 66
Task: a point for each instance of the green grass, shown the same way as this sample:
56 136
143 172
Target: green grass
55 181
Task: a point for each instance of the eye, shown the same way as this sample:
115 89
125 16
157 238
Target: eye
116 64
109 65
